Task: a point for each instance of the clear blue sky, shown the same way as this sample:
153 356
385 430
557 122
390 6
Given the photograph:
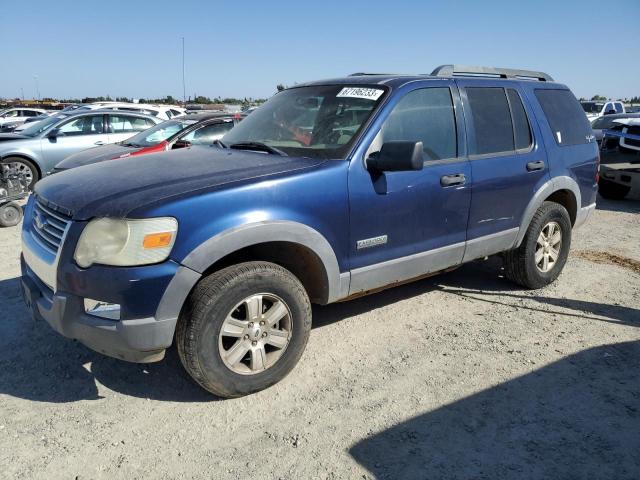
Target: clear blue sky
245 48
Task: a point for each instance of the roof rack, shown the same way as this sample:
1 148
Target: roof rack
467 70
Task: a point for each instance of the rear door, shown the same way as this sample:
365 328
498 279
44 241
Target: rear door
122 126
508 162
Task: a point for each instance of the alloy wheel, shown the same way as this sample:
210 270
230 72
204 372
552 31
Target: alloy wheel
548 246
255 334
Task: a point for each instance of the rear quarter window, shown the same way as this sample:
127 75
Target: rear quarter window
565 116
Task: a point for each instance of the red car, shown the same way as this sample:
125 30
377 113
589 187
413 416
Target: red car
195 129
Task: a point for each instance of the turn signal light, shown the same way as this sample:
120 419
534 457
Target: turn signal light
157 240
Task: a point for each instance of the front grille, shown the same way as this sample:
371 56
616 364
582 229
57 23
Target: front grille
633 130
48 227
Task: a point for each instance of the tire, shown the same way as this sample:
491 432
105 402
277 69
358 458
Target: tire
520 264
22 165
10 214
611 190
205 351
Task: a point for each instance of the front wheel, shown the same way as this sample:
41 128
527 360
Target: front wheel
544 250
26 168
244 328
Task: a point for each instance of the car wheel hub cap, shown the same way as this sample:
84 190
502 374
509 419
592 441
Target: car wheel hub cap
548 247
255 334
19 167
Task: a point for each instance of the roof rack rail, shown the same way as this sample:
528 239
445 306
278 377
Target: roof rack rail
360 74
467 70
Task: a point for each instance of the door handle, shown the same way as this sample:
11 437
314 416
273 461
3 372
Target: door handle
533 166
99 142
451 180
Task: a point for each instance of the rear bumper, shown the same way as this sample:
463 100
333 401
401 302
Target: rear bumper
135 340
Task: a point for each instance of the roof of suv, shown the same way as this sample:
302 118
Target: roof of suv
398 80
443 72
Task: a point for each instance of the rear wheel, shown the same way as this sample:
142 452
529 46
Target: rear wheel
25 167
611 190
10 214
244 328
544 250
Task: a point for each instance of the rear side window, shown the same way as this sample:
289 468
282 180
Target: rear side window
491 120
565 116
425 115
125 124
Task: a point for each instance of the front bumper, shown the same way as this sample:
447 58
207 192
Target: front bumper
137 340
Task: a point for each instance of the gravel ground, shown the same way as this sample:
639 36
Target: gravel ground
462 375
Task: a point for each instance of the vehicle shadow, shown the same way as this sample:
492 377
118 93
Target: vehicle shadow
630 204
38 364
575 418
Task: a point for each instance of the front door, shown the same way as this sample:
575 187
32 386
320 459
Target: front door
406 224
75 135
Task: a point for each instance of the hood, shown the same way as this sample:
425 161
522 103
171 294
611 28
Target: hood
11 136
94 155
630 122
114 189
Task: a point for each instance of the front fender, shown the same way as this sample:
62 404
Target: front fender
236 238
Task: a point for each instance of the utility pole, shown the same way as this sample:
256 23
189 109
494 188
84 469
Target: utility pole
184 89
22 91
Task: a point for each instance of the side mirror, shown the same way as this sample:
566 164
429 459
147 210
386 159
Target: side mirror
397 156
55 133
181 144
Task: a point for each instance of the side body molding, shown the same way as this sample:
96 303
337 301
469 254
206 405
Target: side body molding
553 185
246 235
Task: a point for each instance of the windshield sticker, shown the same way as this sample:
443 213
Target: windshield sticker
357 92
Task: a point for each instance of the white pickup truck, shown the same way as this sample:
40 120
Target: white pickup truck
597 109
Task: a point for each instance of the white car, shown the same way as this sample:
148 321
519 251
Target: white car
165 112
595 109
17 115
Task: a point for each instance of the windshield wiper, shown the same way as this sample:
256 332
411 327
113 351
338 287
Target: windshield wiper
134 145
220 144
259 146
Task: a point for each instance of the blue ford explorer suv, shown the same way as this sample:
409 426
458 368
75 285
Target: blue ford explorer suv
330 190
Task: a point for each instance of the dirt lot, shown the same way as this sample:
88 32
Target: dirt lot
458 376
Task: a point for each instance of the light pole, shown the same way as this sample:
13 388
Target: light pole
35 77
184 90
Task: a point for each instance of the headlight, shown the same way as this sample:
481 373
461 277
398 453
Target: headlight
123 242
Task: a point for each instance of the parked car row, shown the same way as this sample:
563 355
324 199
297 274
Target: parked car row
97 132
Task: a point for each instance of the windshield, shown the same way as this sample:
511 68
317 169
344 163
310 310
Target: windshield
316 121
592 107
154 135
42 125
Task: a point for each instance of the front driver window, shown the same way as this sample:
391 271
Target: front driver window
207 134
89 125
425 115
